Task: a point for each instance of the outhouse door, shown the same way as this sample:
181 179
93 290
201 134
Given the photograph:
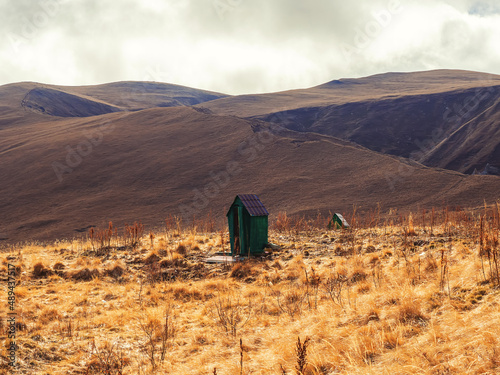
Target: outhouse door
237 213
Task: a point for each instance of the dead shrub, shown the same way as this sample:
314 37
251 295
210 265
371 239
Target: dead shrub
116 271
344 251
152 258
59 269
85 274
133 234
370 249
358 276
290 300
334 285
357 271
40 271
158 336
153 273
181 249
231 314
295 268
59 266
106 360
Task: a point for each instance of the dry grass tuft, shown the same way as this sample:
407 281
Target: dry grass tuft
41 271
244 271
84 274
181 249
410 312
301 352
186 293
152 258
116 271
59 266
48 315
174 262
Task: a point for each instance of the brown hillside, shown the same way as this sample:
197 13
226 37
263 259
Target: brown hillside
147 164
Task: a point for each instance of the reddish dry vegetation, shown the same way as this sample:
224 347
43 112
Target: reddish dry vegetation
406 294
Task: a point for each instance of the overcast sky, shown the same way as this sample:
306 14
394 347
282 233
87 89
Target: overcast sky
242 46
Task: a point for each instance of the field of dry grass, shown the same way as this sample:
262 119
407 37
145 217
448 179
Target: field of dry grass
408 295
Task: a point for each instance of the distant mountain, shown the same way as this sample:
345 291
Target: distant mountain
140 151
135 96
86 101
446 119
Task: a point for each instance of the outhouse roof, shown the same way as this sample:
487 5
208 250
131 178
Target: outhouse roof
342 219
253 205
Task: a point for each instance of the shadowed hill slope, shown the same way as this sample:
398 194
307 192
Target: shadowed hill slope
403 114
411 127
473 145
59 103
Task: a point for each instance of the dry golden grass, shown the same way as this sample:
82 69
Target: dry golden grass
398 301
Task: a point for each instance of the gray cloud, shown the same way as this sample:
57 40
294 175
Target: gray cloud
484 8
241 46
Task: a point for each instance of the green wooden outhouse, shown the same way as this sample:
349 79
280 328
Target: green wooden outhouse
248 223
338 222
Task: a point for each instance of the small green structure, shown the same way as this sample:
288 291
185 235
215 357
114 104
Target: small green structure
338 222
248 224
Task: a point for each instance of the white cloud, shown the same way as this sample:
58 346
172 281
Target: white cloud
242 46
